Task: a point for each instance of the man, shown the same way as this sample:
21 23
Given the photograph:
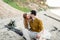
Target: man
35 24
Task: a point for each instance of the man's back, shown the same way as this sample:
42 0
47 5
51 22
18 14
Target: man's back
36 25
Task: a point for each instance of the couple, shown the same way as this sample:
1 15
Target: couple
33 24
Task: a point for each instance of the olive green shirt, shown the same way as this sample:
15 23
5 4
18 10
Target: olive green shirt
36 25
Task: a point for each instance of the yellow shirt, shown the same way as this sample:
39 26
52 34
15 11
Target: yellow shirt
36 25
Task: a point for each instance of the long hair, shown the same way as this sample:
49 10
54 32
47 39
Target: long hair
25 20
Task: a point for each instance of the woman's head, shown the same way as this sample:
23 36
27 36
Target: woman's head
25 16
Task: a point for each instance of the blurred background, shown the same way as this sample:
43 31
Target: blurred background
47 10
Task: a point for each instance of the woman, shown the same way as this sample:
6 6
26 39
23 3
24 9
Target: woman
27 18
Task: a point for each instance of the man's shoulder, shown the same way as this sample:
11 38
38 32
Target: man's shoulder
38 19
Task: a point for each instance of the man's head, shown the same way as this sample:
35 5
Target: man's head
33 13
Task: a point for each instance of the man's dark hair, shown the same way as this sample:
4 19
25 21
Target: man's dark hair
33 12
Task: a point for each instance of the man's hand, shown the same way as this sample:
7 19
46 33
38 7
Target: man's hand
37 36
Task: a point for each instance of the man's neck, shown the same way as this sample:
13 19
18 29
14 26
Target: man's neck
33 18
